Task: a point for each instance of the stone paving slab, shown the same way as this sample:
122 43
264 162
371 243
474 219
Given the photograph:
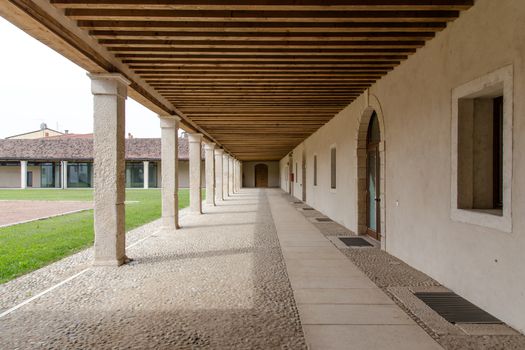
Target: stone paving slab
14 212
401 281
367 337
343 308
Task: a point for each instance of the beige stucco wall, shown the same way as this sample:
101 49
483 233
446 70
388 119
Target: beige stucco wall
36 134
9 176
184 174
484 265
248 173
36 175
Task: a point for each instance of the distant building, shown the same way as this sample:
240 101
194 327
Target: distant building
44 131
66 161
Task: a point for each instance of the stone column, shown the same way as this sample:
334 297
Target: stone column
219 153
210 172
230 175
110 93
234 176
63 174
57 173
225 177
169 171
145 172
238 176
195 152
23 174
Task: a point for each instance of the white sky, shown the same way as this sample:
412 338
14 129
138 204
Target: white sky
39 85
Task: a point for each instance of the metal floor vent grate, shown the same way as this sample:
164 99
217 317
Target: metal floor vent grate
455 309
355 242
308 208
297 202
324 219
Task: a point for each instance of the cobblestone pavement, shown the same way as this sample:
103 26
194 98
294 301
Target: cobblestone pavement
21 211
400 281
218 283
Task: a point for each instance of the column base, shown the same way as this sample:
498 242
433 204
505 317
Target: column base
111 262
169 223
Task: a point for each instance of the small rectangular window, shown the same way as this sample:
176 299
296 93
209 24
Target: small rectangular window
480 151
482 113
315 170
333 168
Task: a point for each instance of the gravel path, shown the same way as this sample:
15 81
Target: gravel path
219 283
21 211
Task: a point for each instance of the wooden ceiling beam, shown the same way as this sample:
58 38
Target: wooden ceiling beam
240 36
263 65
276 43
259 5
242 70
262 27
227 15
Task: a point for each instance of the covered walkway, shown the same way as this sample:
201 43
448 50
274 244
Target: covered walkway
219 282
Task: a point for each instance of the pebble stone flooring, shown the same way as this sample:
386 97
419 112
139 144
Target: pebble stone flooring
218 283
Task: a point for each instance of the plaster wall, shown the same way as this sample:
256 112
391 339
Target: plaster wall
248 173
484 265
10 176
184 174
36 175
284 174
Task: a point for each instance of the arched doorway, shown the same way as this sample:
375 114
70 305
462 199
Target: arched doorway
261 175
370 175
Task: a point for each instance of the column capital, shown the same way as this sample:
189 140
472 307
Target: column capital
209 146
219 151
169 121
109 84
195 137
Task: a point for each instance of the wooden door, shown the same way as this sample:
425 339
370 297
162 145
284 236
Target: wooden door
261 175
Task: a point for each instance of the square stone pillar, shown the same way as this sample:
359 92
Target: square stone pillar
225 176
238 175
110 92
210 172
234 177
145 173
195 152
230 175
63 174
57 173
169 171
219 153
23 174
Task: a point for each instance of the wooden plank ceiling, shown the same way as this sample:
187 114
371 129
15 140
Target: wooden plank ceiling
261 75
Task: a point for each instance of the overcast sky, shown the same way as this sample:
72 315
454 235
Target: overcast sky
38 85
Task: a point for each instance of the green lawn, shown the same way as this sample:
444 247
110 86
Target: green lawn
27 247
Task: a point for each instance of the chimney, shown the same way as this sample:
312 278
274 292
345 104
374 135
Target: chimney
130 136
66 132
43 126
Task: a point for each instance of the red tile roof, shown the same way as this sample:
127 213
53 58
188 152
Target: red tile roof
80 148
